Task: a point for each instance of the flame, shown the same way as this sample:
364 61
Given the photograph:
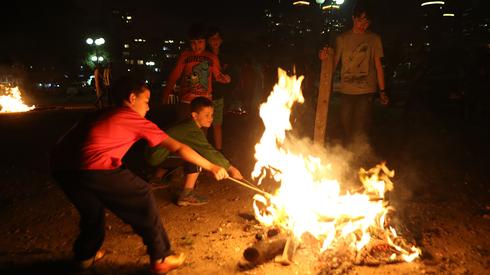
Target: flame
309 199
11 101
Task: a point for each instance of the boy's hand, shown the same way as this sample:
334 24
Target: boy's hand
235 173
219 172
323 53
223 78
383 97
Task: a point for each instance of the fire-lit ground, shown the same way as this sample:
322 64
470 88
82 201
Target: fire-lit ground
441 197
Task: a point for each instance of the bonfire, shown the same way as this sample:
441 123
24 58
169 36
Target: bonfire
311 204
11 100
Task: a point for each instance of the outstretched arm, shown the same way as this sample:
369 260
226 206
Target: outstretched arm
192 156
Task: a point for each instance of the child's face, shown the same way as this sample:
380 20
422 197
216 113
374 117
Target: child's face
139 102
198 45
361 23
215 41
204 117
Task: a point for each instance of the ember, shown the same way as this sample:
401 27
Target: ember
310 202
11 100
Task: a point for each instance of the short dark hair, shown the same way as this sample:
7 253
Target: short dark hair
125 85
197 31
212 30
200 102
362 7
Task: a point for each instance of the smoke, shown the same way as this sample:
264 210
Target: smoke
340 163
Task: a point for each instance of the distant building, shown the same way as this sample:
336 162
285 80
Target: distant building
301 26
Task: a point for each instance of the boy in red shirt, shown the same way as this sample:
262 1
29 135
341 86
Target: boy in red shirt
87 164
195 68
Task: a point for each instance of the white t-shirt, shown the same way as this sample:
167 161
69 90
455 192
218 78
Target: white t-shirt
357 53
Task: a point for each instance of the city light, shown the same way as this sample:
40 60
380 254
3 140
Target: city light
432 3
96 54
339 2
99 41
303 3
327 7
448 14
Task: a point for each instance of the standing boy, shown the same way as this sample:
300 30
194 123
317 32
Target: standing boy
220 90
189 132
360 52
195 68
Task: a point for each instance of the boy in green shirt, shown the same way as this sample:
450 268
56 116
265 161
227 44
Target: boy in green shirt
190 133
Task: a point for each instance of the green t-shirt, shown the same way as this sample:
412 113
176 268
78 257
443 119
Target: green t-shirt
188 133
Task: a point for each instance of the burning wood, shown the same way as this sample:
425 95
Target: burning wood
265 250
309 201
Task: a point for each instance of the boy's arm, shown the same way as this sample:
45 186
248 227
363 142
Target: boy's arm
380 74
192 156
191 135
172 79
381 81
199 142
378 54
218 75
188 133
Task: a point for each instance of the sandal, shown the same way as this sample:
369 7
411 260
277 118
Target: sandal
171 262
88 263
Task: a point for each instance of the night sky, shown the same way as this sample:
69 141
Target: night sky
51 30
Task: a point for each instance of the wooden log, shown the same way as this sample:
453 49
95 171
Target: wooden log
323 100
265 250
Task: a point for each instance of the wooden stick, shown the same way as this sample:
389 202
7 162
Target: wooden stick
323 99
268 195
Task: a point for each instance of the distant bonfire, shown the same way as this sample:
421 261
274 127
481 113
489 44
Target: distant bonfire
11 100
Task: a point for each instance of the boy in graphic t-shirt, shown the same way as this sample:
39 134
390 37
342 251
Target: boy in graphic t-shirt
195 68
359 53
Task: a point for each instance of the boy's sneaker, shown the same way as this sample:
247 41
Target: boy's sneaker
169 263
191 199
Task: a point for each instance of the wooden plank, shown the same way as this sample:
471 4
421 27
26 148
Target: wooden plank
323 100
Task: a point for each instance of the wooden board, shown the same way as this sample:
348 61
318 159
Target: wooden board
323 100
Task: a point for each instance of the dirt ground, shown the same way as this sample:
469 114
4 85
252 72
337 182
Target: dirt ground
441 196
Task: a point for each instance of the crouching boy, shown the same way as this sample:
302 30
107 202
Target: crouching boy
189 132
